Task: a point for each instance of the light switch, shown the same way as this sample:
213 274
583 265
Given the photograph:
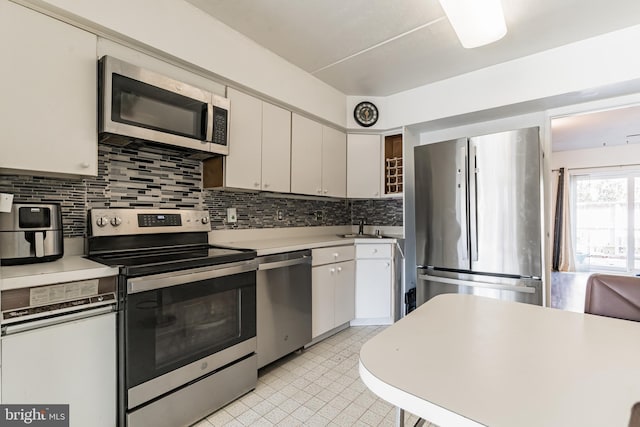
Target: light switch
5 202
232 216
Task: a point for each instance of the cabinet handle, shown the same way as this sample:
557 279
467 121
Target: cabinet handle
266 186
335 254
388 264
332 270
85 165
339 269
375 251
325 191
376 193
319 191
256 184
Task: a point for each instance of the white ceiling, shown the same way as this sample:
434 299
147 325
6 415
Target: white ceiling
600 129
381 47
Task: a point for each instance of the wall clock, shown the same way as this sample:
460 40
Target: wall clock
365 114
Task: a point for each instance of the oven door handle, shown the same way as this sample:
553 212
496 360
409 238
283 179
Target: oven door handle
159 281
288 263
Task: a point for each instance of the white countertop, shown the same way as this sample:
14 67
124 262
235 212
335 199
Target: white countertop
264 241
464 360
66 269
268 241
292 243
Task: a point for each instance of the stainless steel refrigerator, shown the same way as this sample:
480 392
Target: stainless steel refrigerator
478 217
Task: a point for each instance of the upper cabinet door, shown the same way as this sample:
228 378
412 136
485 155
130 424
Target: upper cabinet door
364 167
244 162
334 162
49 94
306 156
276 149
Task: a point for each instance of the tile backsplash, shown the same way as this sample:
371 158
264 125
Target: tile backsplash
148 176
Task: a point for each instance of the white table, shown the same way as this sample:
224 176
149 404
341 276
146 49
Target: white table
464 360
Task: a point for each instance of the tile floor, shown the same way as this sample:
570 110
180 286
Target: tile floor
317 387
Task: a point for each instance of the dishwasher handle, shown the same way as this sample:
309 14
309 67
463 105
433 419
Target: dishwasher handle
63 318
281 264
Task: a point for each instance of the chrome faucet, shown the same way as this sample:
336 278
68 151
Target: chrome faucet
361 226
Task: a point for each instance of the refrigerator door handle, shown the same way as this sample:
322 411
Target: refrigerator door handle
473 194
513 288
463 172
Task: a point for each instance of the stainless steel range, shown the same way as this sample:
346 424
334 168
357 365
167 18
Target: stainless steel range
187 322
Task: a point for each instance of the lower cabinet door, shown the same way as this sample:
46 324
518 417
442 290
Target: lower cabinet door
322 299
373 289
345 295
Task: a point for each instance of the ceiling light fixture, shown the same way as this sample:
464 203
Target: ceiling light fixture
476 22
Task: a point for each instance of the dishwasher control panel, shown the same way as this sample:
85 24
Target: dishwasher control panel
41 301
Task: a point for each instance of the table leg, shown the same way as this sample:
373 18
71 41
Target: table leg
399 417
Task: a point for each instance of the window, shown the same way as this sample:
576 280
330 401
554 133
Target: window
605 211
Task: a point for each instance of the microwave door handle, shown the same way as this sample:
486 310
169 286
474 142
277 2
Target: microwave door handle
209 123
38 242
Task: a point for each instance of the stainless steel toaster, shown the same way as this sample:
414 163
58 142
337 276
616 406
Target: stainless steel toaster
31 233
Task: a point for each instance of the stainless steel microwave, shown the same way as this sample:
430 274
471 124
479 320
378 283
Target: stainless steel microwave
136 103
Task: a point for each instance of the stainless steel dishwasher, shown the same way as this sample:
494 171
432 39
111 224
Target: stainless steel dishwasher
283 298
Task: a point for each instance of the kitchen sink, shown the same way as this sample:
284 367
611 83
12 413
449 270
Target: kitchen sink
361 236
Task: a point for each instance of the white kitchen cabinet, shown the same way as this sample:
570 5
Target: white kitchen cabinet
49 95
259 145
276 148
243 165
318 159
345 295
364 166
306 156
374 284
322 299
334 162
333 288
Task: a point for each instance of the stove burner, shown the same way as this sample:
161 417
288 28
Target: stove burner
160 260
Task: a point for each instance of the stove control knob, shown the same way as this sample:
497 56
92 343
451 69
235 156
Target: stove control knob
205 220
116 221
102 221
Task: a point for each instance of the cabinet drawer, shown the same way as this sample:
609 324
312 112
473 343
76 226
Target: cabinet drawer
332 254
373 251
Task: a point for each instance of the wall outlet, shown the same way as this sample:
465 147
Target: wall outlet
280 215
318 215
232 216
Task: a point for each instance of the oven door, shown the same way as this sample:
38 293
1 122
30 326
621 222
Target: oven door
182 325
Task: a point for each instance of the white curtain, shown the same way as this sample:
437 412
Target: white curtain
566 255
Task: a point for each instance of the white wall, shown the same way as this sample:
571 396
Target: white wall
619 155
482 128
178 29
578 67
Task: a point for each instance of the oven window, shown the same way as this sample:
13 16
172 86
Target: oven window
186 327
172 327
